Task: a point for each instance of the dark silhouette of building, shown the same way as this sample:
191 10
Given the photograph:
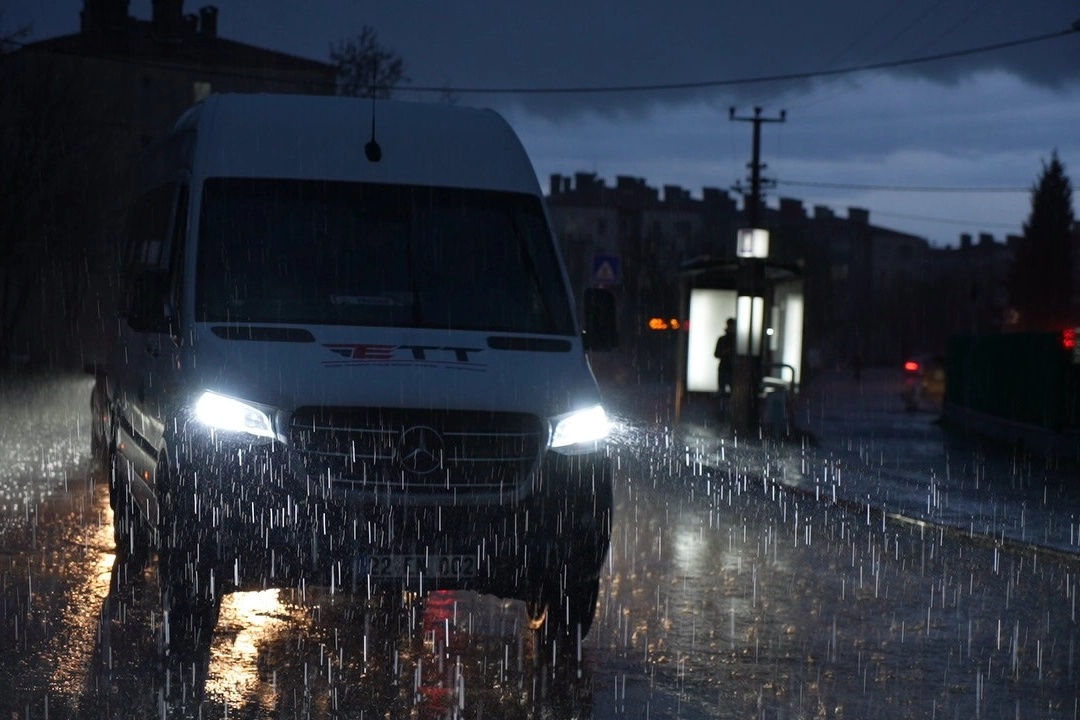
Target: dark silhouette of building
81 107
873 294
649 234
976 300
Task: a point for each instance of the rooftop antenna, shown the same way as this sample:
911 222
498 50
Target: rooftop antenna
372 150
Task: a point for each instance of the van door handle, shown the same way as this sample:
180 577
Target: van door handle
152 351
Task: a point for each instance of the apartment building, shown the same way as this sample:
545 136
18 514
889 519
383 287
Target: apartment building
873 294
75 111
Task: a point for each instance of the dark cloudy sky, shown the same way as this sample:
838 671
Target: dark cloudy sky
983 120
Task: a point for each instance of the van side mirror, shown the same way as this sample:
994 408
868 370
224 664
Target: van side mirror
150 309
601 323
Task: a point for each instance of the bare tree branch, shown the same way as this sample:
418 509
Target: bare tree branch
365 67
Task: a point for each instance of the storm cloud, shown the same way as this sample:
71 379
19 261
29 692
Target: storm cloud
980 119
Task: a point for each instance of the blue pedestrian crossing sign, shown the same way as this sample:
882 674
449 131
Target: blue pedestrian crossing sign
606 269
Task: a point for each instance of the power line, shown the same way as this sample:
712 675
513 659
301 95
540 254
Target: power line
909 188
950 221
865 33
852 86
1075 27
654 87
972 13
904 188
926 218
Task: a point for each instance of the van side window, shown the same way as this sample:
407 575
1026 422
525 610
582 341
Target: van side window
176 242
147 228
148 222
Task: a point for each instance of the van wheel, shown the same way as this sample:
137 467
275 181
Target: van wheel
189 612
190 600
564 618
100 429
564 601
131 532
100 452
105 462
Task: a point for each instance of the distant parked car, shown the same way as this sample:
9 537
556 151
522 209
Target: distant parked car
924 381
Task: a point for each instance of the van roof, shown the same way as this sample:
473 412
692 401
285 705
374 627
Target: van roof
323 137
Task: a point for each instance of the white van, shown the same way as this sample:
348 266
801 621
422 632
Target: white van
347 355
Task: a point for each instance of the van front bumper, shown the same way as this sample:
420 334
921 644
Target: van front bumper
255 524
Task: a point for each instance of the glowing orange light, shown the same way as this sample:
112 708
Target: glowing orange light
657 324
674 324
911 366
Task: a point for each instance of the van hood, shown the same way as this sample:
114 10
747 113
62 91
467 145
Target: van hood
291 367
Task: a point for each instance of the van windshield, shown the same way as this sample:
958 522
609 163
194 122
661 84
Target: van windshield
317 252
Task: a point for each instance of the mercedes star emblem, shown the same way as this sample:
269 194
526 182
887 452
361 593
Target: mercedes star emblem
421 450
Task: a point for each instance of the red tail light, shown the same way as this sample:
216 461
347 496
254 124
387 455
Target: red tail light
911 366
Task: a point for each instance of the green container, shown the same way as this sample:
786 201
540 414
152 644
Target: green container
1023 377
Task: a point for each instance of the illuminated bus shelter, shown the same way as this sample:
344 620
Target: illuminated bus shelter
766 300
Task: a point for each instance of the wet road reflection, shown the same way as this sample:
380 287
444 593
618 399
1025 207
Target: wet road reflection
80 639
248 621
724 595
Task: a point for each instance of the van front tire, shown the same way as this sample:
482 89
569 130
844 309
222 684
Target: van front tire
190 599
577 534
564 617
131 531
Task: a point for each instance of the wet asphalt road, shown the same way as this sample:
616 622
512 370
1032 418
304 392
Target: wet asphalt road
726 595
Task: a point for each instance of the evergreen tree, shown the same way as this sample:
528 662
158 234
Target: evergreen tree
1041 283
365 67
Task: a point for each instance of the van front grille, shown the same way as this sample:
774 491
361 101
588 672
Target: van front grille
417 452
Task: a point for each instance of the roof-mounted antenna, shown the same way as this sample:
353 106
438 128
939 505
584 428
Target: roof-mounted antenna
372 150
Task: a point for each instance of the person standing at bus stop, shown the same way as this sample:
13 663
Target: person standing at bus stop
725 354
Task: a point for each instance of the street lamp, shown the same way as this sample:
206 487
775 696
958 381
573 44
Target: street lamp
752 243
749 315
752 248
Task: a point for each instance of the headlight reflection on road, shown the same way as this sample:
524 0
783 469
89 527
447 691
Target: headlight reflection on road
90 568
248 621
689 547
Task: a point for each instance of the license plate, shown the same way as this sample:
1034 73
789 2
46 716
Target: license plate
413 566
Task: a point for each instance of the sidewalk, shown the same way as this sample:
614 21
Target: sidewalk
852 442
870 565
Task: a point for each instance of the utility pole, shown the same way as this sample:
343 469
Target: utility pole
753 205
750 282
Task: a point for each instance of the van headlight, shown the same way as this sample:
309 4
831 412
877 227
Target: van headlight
231 415
579 431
